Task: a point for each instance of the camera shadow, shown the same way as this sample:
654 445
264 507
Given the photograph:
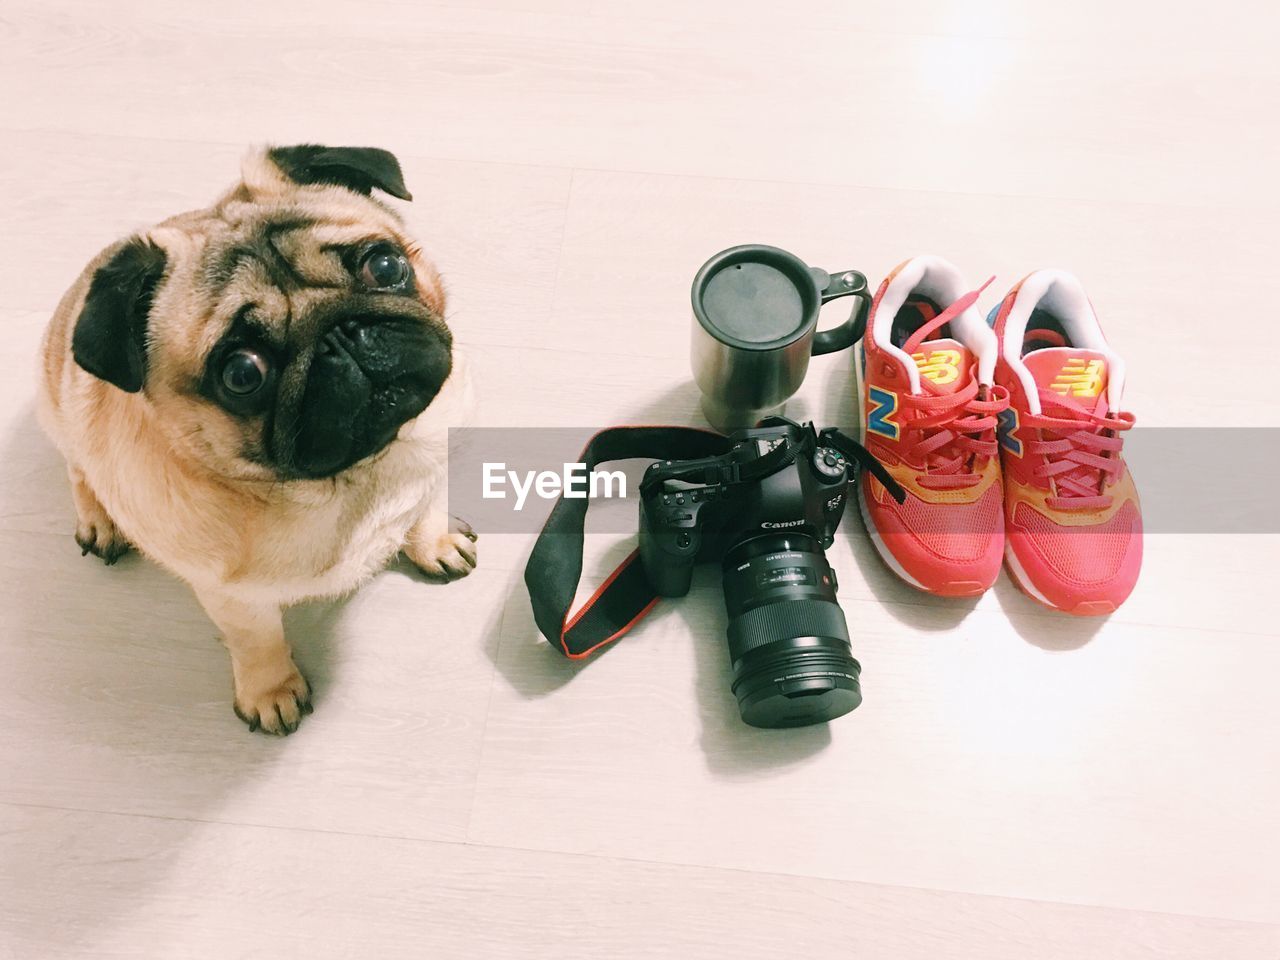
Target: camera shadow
529 664
534 669
731 748
522 656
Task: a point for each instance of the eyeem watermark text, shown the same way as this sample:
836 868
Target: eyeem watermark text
575 482
1174 501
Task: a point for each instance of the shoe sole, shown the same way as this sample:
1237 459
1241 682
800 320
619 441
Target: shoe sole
1085 608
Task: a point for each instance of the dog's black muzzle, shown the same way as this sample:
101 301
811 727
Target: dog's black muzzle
369 377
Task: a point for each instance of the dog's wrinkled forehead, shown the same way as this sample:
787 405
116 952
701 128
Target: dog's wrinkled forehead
290 248
277 192
284 244
291 227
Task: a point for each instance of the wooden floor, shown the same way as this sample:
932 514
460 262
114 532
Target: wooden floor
1017 784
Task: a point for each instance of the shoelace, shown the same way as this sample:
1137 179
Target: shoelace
1082 451
954 430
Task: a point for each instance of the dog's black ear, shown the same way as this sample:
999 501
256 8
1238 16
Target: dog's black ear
357 168
110 339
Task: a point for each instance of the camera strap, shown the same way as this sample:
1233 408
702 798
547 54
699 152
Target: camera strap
555 565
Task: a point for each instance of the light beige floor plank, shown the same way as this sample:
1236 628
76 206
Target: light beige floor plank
798 100
116 695
1133 770
497 231
1226 32
573 163
116 886
493 230
1139 263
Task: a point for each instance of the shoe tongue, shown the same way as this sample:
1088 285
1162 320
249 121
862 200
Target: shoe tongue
1077 374
943 364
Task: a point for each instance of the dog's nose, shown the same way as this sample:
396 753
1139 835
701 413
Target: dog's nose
342 337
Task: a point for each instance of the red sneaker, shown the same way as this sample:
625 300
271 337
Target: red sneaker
929 415
1072 518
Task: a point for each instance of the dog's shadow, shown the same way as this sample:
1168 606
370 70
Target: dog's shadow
118 698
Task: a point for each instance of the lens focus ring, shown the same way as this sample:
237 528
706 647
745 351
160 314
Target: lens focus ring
785 621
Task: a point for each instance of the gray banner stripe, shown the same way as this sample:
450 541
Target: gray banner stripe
1190 480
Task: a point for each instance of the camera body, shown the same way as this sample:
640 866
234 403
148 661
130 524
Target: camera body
684 522
766 509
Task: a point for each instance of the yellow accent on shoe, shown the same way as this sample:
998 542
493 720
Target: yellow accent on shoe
1079 378
940 366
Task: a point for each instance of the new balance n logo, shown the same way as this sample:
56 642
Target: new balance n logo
940 366
1079 378
1006 431
881 406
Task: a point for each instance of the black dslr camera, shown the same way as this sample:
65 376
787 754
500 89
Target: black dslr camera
766 509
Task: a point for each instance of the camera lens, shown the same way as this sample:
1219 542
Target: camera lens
788 640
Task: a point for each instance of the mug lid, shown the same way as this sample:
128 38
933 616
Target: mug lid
755 297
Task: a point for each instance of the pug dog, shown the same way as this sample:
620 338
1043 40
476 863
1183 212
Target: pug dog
256 396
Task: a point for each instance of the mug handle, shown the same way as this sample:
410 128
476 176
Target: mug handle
845 283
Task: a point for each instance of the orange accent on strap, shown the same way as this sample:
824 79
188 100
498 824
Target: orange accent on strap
569 624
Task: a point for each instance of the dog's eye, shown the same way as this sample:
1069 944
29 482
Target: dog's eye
244 372
383 269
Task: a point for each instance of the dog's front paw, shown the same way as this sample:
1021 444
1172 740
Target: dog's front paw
273 707
447 556
98 535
